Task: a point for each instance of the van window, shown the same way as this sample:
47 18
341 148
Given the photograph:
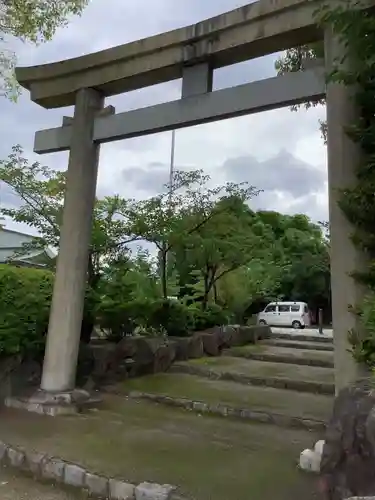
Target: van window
284 309
294 308
270 309
306 309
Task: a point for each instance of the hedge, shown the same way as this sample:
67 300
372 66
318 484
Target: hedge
25 297
176 319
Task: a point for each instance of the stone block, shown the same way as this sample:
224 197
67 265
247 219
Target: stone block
16 457
119 490
199 406
318 448
225 335
181 346
97 485
151 491
33 462
210 343
74 475
3 451
53 468
309 461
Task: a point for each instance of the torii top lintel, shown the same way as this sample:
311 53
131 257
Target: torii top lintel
257 29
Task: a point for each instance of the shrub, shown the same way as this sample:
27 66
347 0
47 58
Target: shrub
173 316
25 297
363 349
213 315
119 318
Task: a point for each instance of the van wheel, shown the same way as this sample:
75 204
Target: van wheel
296 325
262 322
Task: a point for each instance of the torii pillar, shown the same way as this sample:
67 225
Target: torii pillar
60 361
344 156
57 393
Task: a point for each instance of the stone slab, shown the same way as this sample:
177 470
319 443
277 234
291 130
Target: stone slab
16 457
3 450
97 485
34 461
119 490
74 475
53 468
151 491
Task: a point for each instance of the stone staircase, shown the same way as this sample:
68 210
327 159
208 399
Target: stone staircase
285 380
215 427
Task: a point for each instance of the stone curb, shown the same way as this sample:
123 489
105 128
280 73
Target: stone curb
278 383
57 470
294 344
231 412
302 338
276 358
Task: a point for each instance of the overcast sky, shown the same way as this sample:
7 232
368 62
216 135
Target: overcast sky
280 151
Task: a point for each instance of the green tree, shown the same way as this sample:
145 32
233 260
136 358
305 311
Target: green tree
303 254
229 239
259 280
41 194
32 21
126 292
170 222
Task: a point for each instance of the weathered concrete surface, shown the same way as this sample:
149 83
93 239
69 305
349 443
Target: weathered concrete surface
263 95
60 361
247 32
344 157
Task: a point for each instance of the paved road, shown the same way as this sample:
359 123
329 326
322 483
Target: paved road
18 487
327 332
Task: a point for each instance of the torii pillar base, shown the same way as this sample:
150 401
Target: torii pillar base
55 404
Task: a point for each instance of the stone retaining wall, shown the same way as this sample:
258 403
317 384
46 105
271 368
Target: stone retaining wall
135 356
59 471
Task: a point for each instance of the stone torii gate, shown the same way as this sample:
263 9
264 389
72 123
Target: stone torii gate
191 53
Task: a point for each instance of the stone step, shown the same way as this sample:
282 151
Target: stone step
264 352
278 375
139 441
261 404
297 344
301 337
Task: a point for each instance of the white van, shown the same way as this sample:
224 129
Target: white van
295 314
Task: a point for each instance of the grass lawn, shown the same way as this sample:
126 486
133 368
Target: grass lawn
208 458
280 351
282 401
264 369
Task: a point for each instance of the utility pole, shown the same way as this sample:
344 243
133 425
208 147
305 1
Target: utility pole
170 193
171 169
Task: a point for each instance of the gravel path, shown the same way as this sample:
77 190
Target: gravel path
15 486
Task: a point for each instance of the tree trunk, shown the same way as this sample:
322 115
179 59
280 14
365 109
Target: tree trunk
206 292
87 327
215 292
